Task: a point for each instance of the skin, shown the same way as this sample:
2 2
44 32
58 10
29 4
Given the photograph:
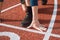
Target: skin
35 23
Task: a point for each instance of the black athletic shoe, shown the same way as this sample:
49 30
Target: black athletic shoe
44 2
28 18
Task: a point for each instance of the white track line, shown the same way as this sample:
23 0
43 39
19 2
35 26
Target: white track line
51 25
11 35
29 30
10 7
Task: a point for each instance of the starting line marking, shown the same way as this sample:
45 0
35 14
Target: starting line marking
51 25
29 30
11 35
4 10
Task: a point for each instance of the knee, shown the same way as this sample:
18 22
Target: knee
34 2
22 1
1 0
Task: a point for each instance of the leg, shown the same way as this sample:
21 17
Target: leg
28 18
35 23
23 5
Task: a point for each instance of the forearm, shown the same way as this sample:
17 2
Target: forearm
34 5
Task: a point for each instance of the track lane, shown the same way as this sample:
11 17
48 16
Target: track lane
43 14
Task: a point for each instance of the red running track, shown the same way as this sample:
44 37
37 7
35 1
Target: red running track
15 15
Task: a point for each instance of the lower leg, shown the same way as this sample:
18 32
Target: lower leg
28 18
35 23
23 5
